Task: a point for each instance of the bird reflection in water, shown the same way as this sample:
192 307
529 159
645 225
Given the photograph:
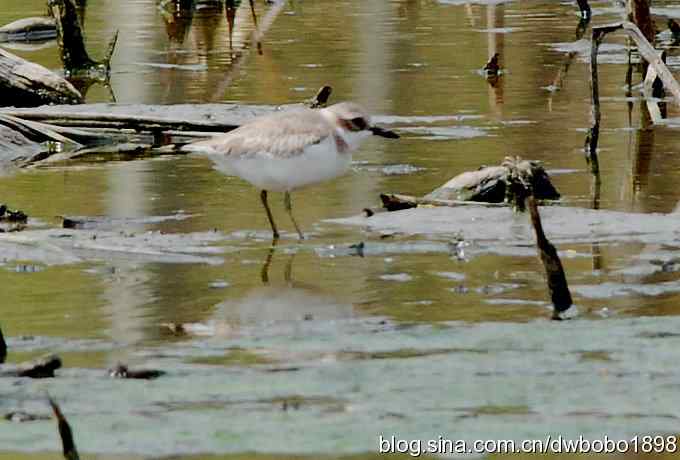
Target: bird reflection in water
280 306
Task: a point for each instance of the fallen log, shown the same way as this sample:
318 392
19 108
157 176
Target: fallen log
25 84
99 121
29 29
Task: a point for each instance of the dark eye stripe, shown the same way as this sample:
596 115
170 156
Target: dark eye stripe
359 123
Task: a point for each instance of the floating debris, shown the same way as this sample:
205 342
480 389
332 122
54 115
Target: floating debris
121 371
22 417
12 215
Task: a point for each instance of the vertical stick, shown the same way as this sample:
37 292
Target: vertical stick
3 348
557 281
69 447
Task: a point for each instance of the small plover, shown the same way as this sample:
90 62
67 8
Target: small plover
291 149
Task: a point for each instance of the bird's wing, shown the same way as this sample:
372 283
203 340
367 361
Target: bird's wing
283 135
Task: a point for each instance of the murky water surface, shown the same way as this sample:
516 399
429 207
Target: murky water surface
323 349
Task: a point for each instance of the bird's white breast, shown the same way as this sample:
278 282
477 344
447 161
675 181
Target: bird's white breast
318 163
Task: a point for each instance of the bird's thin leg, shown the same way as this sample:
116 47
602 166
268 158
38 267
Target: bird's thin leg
288 272
264 273
289 209
263 197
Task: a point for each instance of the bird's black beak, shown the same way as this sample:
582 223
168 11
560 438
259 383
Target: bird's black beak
377 131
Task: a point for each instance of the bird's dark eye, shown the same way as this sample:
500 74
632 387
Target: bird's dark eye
359 124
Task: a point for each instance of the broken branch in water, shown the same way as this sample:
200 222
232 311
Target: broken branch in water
3 348
557 281
648 53
76 60
68 445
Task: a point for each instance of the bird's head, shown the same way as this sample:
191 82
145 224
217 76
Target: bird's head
353 123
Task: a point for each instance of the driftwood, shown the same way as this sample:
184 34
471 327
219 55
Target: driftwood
398 202
110 129
557 281
29 29
68 445
25 84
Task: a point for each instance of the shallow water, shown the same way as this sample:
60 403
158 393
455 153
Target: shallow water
410 338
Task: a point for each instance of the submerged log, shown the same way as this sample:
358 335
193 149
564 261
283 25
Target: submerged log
25 84
68 445
557 281
29 29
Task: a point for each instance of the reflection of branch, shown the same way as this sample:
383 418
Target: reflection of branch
239 57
